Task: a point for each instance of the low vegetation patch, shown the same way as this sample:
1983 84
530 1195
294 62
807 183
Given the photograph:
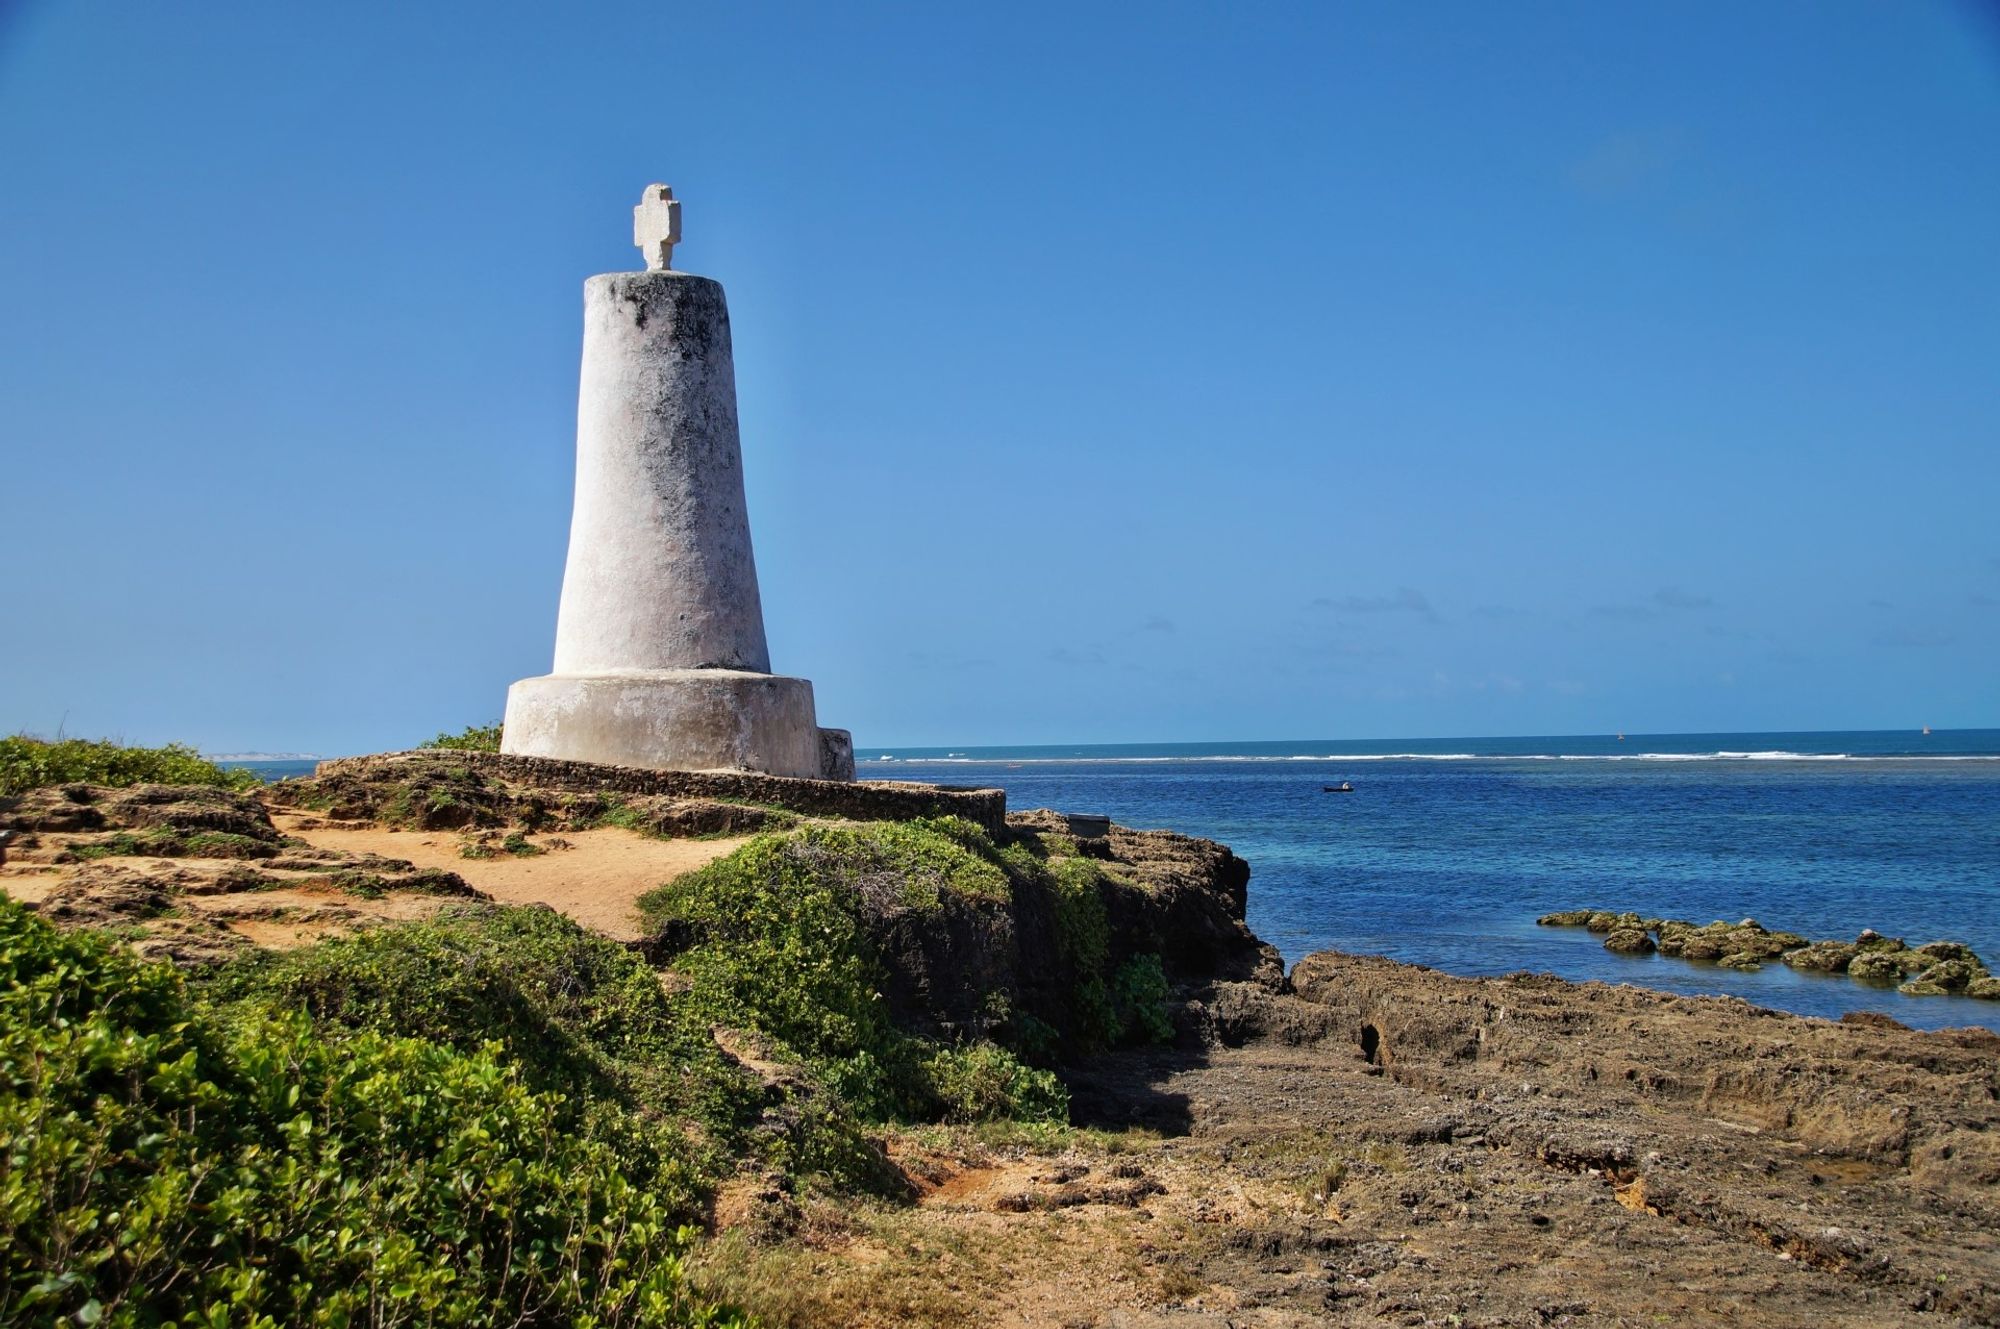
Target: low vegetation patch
33 763
773 938
172 1161
783 935
170 842
472 738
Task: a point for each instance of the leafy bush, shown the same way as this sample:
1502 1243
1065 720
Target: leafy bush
574 1013
1141 992
772 938
30 763
778 948
472 738
165 1166
985 1082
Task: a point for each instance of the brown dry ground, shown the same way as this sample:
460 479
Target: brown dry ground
596 876
1496 1152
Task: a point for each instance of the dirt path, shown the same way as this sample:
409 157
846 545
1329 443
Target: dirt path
596 880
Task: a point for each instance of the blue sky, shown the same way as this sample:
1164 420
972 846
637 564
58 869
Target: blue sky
1107 373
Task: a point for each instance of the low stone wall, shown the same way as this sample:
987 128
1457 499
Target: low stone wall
869 800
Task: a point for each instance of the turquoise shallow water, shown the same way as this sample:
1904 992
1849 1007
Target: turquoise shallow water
1448 849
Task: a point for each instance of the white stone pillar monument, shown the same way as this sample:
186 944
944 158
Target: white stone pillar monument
660 656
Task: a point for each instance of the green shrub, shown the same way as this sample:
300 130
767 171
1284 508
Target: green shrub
772 938
1083 928
1140 990
777 947
31 763
573 1012
984 1082
472 738
163 1166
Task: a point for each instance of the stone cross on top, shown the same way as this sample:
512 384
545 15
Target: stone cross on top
656 226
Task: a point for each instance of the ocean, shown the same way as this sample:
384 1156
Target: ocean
1449 849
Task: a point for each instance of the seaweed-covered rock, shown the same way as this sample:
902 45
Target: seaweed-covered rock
1952 975
1741 960
1871 940
1879 966
1823 957
1673 934
1717 940
1986 989
1567 918
1950 950
1705 944
1629 941
1918 987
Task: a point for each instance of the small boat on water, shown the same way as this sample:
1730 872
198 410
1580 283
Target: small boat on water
1342 788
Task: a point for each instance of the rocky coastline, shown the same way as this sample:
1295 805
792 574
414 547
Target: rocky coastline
1098 1098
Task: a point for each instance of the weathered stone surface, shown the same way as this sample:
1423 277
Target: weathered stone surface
500 785
685 719
1823 957
836 754
186 808
1952 975
1683 1143
661 659
1629 941
1885 966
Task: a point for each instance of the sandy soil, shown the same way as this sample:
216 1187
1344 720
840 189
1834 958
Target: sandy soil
597 880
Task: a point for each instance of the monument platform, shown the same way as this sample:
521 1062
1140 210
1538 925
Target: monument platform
684 719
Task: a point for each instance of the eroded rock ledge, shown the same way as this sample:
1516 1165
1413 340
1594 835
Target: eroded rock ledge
1390 1144
364 782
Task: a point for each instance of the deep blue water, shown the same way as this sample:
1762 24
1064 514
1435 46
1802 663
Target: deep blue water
1448 850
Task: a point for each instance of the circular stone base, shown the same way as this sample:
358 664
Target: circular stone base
668 720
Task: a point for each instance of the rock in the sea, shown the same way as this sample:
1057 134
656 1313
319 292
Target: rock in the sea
1949 950
1567 918
1602 921
1987 989
1674 933
1952 975
1883 966
1823 957
1629 941
1741 960
1917 987
1719 939
1871 940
